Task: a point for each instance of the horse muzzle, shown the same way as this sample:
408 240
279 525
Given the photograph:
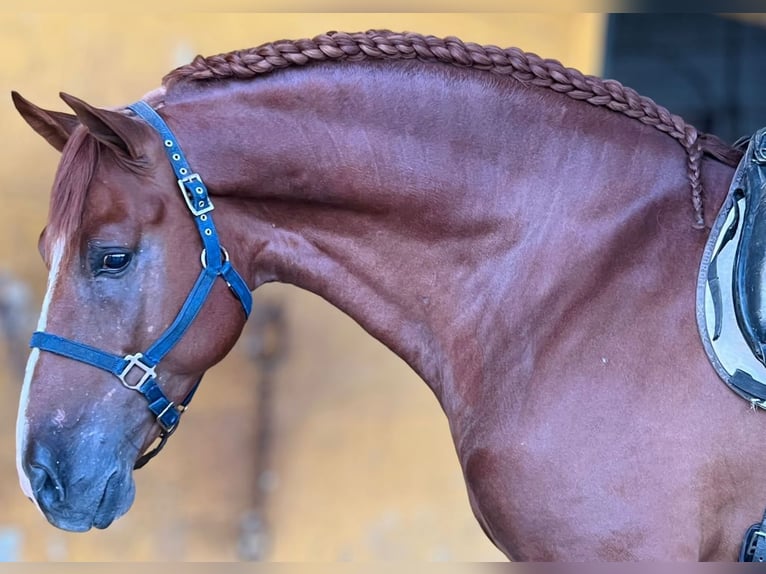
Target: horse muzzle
78 497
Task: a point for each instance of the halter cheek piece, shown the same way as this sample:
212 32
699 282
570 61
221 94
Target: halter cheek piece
137 371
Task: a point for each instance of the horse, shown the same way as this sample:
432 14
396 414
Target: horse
526 237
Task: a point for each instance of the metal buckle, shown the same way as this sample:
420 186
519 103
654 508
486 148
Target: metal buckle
170 429
191 199
135 361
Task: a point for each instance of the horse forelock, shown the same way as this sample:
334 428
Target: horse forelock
80 159
70 186
527 68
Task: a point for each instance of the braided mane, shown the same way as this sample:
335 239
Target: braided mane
525 67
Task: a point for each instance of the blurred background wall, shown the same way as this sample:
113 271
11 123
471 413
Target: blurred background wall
319 444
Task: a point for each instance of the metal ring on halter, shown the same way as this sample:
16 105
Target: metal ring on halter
203 256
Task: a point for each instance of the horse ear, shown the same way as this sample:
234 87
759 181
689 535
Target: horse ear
114 129
55 127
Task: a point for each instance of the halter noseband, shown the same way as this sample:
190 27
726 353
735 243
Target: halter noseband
137 371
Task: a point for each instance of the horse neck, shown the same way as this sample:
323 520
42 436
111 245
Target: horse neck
429 206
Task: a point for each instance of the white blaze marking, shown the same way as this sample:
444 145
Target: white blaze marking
21 422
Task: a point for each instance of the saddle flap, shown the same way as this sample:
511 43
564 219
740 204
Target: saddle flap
731 290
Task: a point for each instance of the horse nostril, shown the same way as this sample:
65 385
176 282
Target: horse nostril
46 484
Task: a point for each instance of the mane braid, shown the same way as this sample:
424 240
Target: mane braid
525 67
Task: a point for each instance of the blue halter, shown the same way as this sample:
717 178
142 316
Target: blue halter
137 371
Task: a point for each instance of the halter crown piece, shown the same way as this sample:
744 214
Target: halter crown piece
137 371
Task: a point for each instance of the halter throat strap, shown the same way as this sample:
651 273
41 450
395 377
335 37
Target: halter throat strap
137 371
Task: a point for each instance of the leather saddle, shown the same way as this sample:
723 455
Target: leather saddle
731 297
731 288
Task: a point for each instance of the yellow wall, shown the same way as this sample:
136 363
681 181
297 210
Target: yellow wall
364 465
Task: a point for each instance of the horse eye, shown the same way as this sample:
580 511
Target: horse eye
115 261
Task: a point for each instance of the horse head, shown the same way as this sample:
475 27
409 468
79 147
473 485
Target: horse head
123 255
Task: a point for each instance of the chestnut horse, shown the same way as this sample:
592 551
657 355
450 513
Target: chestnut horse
525 237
